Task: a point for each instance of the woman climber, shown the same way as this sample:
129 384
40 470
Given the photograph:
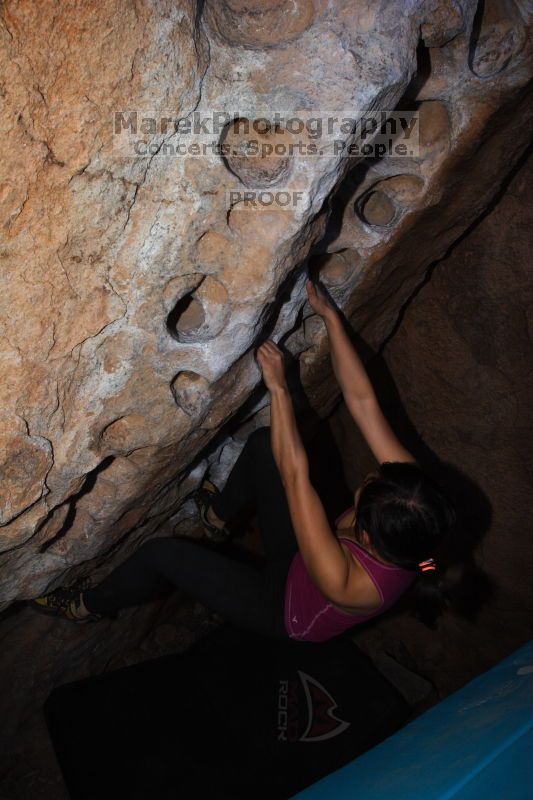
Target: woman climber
316 582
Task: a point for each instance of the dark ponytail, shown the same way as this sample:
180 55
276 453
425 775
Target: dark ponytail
429 597
409 517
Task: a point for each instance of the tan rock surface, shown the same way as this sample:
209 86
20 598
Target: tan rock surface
134 283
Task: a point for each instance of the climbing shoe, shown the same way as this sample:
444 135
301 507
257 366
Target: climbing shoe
65 602
203 498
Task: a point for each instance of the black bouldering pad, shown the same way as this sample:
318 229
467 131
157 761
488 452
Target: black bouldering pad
236 716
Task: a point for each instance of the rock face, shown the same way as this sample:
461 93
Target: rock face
136 276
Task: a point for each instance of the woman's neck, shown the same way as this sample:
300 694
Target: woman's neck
350 532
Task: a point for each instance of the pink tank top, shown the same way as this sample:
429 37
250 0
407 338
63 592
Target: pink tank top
310 617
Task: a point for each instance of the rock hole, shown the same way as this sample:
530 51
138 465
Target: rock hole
443 24
124 433
190 392
376 208
334 269
387 200
258 24
257 152
186 318
201 313
498 35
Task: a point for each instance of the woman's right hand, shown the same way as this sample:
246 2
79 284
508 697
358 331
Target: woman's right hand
318 300
270 359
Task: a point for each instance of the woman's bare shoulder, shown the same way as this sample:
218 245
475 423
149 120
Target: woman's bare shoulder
362 594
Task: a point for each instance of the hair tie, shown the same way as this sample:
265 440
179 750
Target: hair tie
428 565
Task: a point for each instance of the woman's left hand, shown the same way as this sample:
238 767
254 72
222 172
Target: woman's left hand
270 359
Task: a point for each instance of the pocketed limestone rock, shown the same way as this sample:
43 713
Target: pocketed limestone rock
135 280
256 24
258 152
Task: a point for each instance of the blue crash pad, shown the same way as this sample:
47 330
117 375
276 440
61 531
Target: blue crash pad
475 744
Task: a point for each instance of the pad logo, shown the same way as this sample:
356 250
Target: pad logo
319 720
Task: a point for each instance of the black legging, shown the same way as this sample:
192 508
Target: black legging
244 595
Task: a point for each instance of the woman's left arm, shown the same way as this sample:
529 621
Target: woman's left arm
327 562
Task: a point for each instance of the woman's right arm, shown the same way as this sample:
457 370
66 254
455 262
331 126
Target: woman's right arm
357 390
